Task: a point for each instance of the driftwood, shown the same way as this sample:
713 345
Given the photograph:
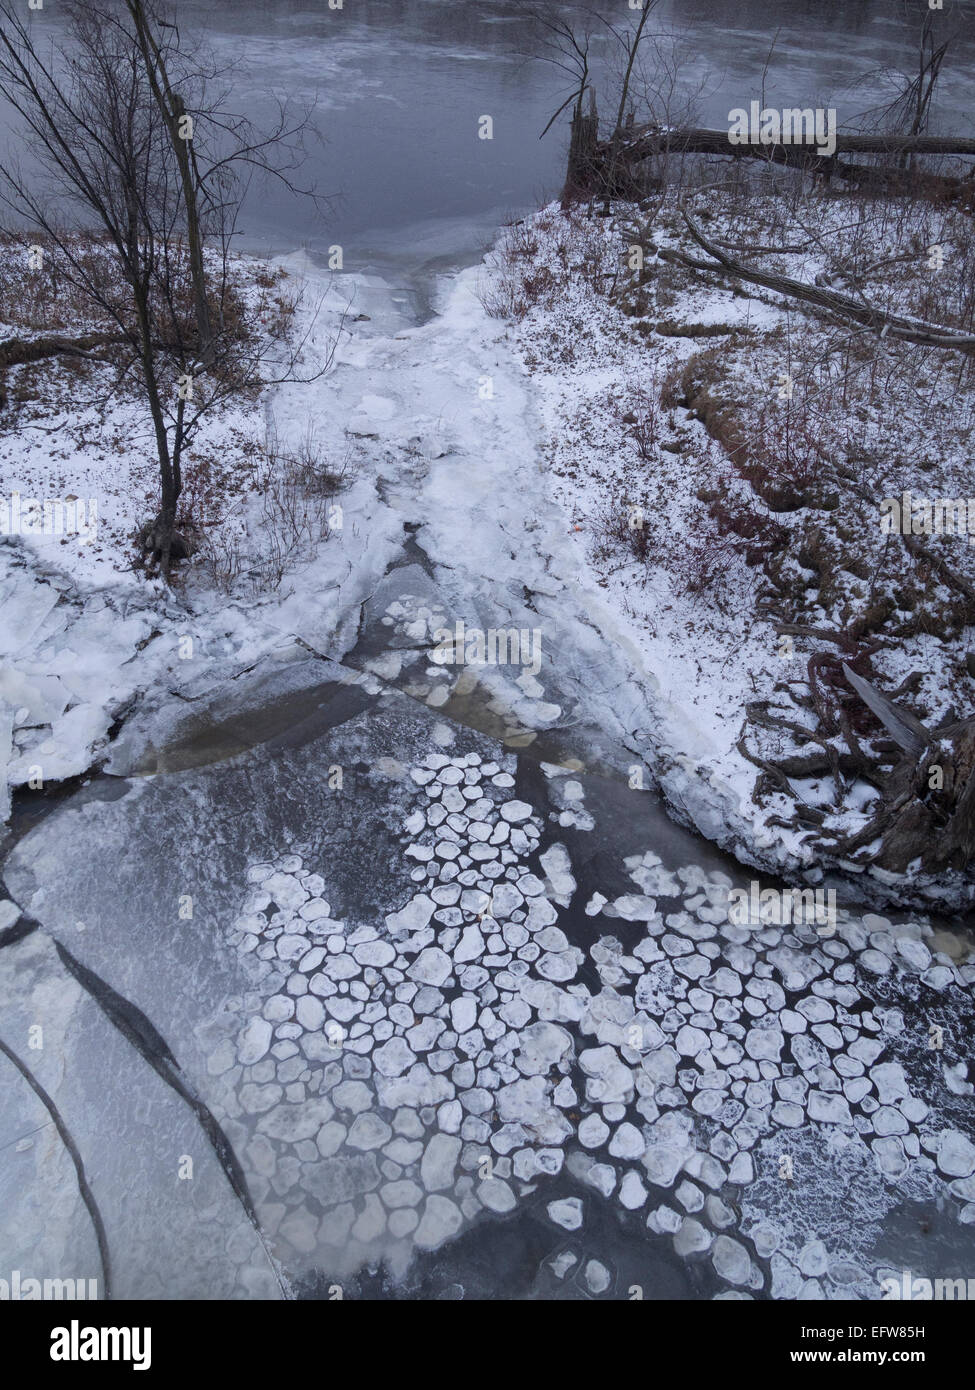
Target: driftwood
869 316
608 168
924 817
927 808
14 352
648 142
925 813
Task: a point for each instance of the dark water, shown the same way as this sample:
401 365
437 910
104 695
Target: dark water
401 84
399 87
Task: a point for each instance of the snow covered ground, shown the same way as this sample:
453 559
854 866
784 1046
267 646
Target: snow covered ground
421 943
85 636
441 429
724 458
540 453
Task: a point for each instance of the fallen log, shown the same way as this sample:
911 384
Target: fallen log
18 352
869 316
15 352
924 816
927 808
610 166
647 141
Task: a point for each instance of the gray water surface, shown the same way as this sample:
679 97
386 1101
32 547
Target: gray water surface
401 85
398 88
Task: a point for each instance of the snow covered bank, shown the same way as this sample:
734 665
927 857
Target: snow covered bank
85 637
724 457
577 473
431 952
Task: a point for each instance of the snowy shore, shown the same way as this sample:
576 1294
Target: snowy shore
566 355
418 934
725 458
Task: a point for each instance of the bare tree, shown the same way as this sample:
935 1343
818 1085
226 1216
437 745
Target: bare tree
105 124
172 107
630 44
669 91
915 102
909 110
567 45
567 49
216 148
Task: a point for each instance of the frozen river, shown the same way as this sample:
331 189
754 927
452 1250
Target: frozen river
357 971
410 967
401 85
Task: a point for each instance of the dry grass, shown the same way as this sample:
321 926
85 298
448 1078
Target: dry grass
298 510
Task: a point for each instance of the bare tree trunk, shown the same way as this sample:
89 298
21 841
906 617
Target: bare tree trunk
172 107
582 150
170 484
14 352
617 136
625 91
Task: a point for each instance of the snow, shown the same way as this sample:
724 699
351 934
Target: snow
465 993
708 652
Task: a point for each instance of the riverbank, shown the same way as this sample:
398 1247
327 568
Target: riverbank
726 457
88 636
551 1033
692 451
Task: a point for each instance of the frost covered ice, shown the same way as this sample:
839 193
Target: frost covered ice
696 1057
427 1002
387 1080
